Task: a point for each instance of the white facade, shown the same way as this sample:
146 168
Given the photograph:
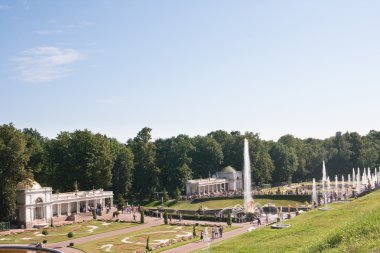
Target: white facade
227 180
36 205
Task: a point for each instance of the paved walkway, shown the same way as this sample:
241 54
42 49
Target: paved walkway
244 228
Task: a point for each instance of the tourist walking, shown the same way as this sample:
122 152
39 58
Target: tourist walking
202 236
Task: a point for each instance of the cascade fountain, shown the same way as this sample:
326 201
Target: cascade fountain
248 208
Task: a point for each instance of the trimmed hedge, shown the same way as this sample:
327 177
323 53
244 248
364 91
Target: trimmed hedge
300 198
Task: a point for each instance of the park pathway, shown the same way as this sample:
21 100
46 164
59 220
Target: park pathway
244 228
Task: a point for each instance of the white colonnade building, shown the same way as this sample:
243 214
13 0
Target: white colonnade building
226 180
37 205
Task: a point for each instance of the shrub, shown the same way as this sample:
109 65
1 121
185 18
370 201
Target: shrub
45 232
70 235
94 214
194 232
229 219
142 217
147 244
166 217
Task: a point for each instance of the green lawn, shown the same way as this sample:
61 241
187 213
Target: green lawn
161 238
219 204
350 227
58 234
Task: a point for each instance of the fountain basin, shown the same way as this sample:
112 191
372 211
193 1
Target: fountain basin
280 226
25 249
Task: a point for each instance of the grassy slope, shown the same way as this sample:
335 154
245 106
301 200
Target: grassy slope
312 230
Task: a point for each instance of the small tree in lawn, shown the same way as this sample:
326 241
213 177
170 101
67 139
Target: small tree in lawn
166 217
45 233
120 202
177 194
165 195
147 244
142 217
194 232
229 219
70 235
94 215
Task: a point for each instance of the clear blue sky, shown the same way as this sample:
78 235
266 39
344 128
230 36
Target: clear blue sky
308 68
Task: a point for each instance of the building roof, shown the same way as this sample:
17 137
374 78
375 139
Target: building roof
28 184
228 169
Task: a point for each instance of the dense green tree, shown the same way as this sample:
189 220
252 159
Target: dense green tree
36 146
122 172
173 159
83 157
285 161
232 147
146 172
13 158
339 150
207 156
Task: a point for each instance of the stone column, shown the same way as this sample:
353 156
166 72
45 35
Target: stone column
78 206
85 208
59 209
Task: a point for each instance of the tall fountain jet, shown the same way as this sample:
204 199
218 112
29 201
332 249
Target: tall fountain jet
314 196
324 194
247 179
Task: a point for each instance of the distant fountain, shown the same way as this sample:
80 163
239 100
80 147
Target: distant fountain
324 183
280 225
343 189
328 189
353 177
358 183
336 191
207 239
248 200
314 193
349 181
325 192
369 175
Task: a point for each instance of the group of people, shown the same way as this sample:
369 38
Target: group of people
212 195
216 232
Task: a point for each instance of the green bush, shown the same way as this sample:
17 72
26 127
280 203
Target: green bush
229 219
166 217
45 232
94 216
142 220
147 244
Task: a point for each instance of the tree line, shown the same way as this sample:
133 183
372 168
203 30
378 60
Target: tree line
142 167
